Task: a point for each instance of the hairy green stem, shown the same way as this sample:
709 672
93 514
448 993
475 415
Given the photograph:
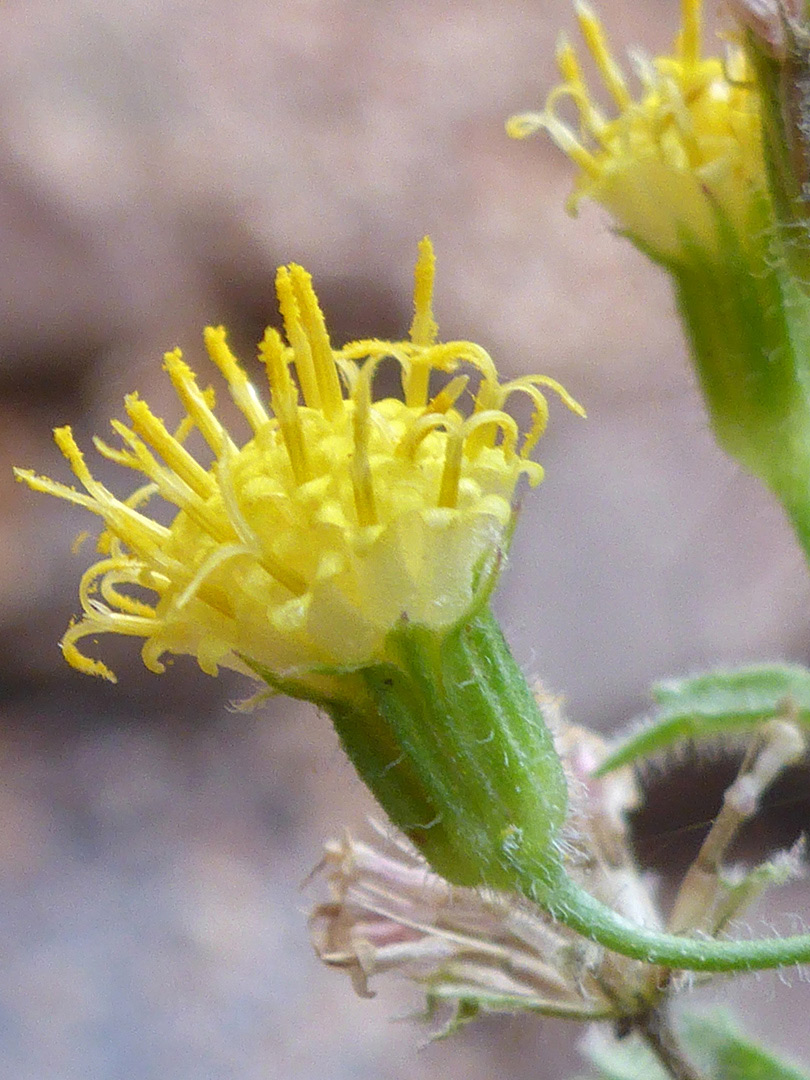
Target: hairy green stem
575 908
450 739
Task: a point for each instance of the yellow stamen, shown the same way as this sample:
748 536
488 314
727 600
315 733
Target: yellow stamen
75 632
592 118
689 39
195 401
242 391
564 137
284 401
522 125
312 320
178 459
528 384
448 396
142 532
423 327
195 587
296 335
596 41
451 475
173 488
419 431
112 572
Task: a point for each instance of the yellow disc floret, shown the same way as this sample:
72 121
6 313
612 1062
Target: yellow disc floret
682 155
336 519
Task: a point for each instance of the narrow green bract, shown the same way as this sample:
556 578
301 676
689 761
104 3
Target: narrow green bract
719 703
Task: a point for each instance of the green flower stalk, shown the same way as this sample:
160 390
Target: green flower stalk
344 552
694 170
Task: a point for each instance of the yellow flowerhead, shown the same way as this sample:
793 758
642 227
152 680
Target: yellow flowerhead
680 161
302 546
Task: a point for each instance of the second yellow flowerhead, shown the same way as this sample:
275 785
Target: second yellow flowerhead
675 164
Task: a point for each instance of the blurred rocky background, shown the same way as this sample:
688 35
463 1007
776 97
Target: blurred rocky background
158 159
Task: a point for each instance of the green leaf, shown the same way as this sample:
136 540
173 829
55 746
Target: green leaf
720 703
723 1053
710 1041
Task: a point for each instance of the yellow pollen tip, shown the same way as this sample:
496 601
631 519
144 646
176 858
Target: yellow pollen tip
314 325
423 327
567 62
297 337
